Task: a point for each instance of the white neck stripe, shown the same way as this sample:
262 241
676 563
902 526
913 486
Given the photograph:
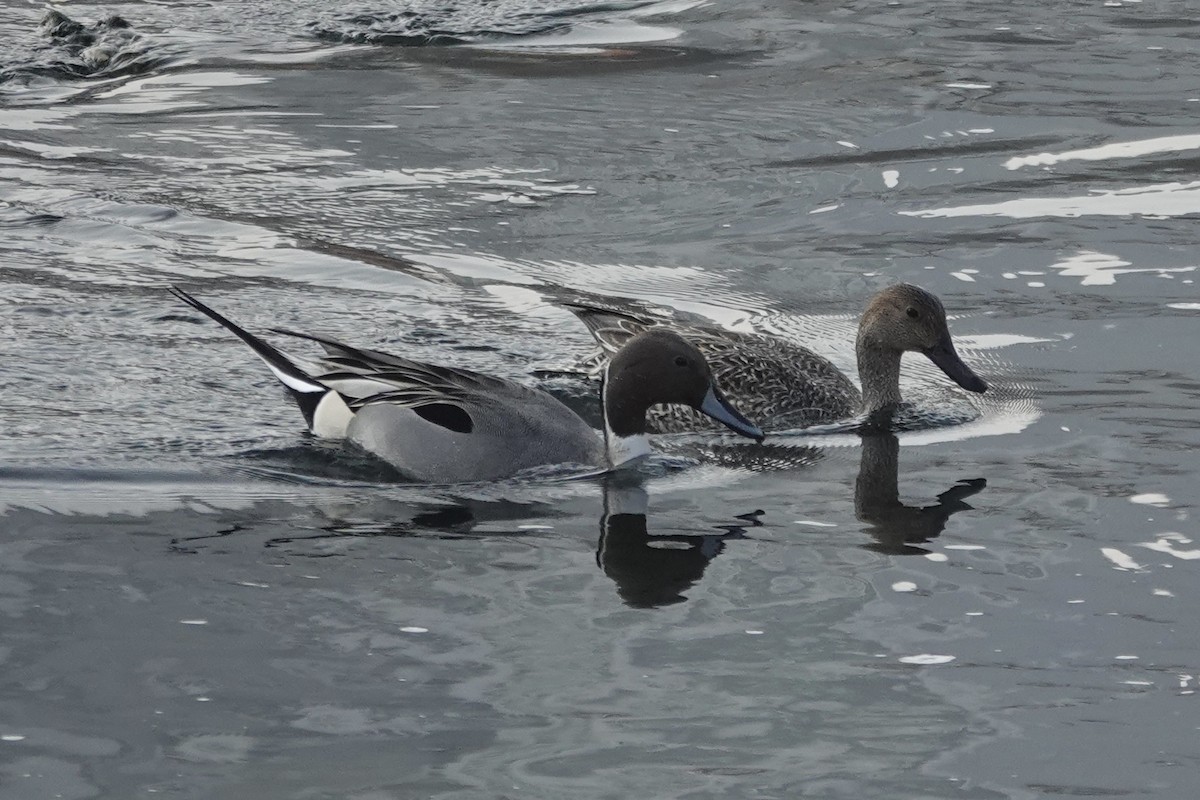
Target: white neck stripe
619 450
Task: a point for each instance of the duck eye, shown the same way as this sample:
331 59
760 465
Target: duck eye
912 312
681 361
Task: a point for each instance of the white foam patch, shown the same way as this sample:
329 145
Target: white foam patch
193 622
937 556
962 276
824 209
414 629
1107 152
1166 543
891 178
1163 593
1138 683
964 85
974 614
904 586
815 524
1158 200
1150 499
1185 306
926 659
1121 560
1102 269
1012 418
752 632
965 547
12 737
1125 658
994 341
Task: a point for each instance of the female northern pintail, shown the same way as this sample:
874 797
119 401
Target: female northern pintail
790 385
445 425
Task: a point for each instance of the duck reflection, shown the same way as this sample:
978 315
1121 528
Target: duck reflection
900 529
654 570
340 522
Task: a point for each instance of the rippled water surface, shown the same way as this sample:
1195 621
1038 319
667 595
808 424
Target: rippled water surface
201 601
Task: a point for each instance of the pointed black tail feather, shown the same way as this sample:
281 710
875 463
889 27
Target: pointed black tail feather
307 391
335 348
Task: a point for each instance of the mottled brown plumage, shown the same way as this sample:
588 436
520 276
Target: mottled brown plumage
784 384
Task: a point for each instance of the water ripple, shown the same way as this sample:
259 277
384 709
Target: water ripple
564 23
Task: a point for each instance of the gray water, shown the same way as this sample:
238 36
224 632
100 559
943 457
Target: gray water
200 601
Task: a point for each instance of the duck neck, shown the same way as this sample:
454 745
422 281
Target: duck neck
879 372
625 438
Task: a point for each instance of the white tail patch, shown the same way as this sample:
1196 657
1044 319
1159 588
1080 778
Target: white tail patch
332 416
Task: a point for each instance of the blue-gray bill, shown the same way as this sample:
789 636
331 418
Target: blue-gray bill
946 357
716 406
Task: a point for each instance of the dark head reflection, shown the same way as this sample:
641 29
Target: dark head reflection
652 571
900 529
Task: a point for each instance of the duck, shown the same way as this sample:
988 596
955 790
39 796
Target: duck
787 384
442 424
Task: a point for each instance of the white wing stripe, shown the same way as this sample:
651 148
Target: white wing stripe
295 382
361 387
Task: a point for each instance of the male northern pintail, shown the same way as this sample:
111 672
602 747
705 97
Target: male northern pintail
445 425
789 385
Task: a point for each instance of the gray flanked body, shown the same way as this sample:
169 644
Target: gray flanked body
513 429
442 424
787 384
